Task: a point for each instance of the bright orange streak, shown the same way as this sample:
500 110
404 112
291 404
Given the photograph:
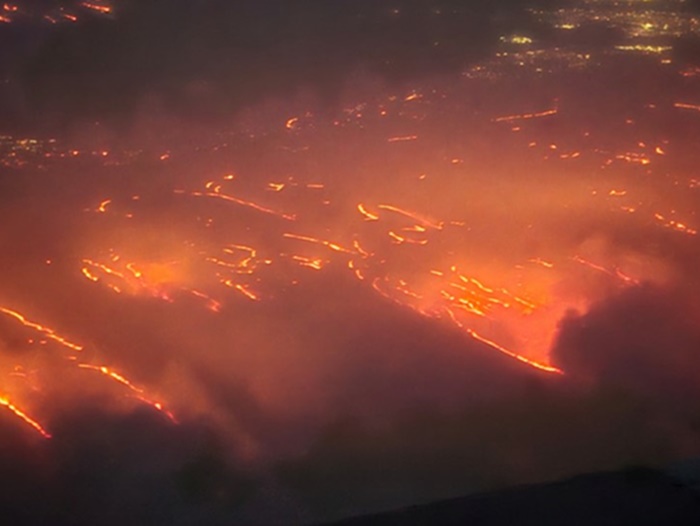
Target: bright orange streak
90 276
542 262
670 223
503 350
105 10
111 374
685 106
368 216
526 116
248 204
519 357
316 264
332 246
136 273
423 221
477 283
44 330
103 268
361 250
401 239
403 138
242 289
24 417
159 407
212 304
246 292
122 380
523 302
600 268
396 237
250 250
103 205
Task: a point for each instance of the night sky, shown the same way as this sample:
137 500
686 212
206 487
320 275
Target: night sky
284 262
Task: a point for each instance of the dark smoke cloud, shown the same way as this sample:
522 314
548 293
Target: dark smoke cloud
644 340
629 397
103 468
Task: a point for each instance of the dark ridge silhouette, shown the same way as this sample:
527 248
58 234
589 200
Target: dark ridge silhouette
635 497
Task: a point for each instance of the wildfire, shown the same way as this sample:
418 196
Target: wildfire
431 232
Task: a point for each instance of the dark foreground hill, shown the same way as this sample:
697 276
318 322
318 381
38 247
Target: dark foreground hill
638 496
